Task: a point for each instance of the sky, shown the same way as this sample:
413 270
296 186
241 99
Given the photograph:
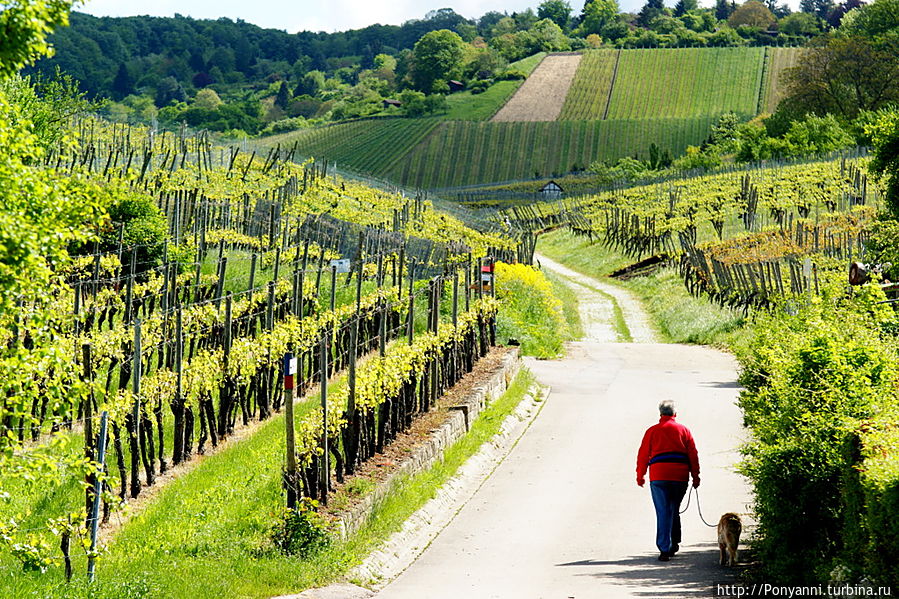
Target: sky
321 15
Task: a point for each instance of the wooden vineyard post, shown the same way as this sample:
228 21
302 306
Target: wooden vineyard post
398 281
98 492
129 293
468 284
135 414
333 287
88 378
436 289
325 473
410 328
290 369
351 374
252 282
480 279
178 441
455 298
455 321
351 442
493 295
220 286
382 335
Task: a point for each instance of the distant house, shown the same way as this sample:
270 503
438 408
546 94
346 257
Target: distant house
455 86
388 103
552 190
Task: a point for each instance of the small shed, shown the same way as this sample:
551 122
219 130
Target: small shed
388 103
455 86
552 190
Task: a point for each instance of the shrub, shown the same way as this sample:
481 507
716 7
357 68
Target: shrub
143 225
301 531
530 312
512 75
810 380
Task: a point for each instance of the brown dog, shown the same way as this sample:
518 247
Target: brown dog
729 529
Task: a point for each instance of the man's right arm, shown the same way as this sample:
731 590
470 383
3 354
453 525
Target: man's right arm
643 459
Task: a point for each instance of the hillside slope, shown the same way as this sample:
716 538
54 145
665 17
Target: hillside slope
543 94
572 110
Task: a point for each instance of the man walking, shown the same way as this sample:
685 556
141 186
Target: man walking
670 454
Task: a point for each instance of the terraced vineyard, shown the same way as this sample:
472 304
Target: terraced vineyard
464 153
619 103
777 61
686 82
370 146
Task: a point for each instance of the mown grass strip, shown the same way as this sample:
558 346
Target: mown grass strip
678 316
206 534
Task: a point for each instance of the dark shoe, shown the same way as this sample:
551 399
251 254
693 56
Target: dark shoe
664 557
674 549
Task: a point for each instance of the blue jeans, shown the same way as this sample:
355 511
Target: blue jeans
666 496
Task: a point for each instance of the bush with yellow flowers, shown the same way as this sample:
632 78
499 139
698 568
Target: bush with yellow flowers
530 313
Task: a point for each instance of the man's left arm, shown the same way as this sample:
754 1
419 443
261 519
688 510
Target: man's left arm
693 457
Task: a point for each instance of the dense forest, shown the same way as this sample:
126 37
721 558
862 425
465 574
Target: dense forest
234 76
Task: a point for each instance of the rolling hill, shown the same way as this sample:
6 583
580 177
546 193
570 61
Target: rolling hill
616 103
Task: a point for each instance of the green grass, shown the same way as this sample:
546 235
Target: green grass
466 106
570 305
678 316
687 82
206 533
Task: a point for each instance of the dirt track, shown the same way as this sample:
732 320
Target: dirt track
542 95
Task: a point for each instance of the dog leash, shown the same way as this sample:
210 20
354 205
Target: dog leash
698 507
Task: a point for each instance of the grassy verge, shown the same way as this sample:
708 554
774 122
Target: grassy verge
678 316
570 305
206 534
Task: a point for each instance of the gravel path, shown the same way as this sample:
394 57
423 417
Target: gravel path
542 95
597 301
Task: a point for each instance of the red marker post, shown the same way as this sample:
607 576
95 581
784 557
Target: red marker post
289 368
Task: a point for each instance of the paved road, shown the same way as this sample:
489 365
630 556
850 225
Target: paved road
562 517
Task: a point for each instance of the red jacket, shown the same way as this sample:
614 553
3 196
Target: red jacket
668 451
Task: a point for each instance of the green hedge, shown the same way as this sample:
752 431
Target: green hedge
815 377
871 499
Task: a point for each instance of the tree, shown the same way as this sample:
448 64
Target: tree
549 37
843 75
123 84
835 18
684 6
208 99
875 19
283 97
437 56
723 10
819 8
800 23
597 14
169 90
557 11
650 10
25 25
41 213
884 134
754 14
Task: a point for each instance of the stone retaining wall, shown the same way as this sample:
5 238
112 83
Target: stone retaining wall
463 414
